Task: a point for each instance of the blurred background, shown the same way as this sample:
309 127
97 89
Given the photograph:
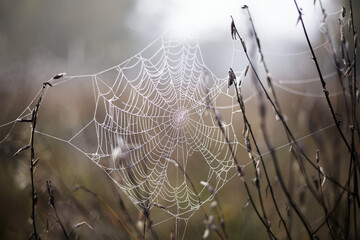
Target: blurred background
39 39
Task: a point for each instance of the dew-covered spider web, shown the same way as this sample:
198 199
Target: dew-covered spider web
152 128
151 117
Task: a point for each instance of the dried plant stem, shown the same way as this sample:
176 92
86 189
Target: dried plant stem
339 69
350 72
262 108
128 217
351 148
323 83
286 127
147 221
33 193
247 123
348 209
276 102
336 205
277 106
52 204
351 75
355 221
221 217
257 177
322 197
248 144
267 141
60 223
112 211
241 173
355 36
197 196
217 115
282 183
338 66
33 161
355 123
268 77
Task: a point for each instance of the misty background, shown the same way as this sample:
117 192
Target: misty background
39 39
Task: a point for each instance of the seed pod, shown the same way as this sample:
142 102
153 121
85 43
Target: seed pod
60 75
343 12
317 156
233 29
244 46
208 186
213 204
258 169
231 77
355 41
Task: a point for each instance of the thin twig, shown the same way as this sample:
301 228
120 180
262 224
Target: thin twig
196 193
239 169
338 66
268 76
267 141
355 123
247 123
322 195
281 117
323 83
326 93
52 204
112 211
33 161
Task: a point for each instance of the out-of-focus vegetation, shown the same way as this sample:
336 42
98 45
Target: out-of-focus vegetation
41 38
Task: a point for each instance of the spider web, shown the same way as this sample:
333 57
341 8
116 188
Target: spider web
154 130
149 121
